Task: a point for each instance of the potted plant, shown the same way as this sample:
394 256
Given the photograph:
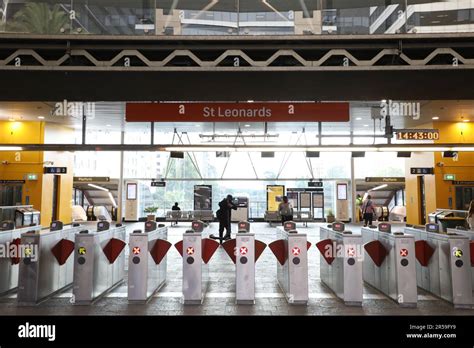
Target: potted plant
151 211
330 218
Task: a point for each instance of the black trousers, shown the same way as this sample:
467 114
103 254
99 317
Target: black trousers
368 217
285 218
224 224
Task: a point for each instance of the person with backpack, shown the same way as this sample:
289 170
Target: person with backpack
286 210
368 211
470 215
224 217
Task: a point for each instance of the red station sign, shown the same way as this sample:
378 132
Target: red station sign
237 112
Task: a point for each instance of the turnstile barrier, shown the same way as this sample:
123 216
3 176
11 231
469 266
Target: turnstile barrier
99 262
51 269
341 263
147 262
10 239
389 263
291 251
443 264
196 253
470 234
244 251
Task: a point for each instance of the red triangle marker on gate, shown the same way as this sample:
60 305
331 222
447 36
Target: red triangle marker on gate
62 250
423 252
113 249
209 247
376 251
16 242
279 250
159 250
259 248
229 247
326 247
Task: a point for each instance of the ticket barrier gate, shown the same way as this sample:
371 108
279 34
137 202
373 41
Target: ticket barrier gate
443 264
10 238
196 252
147 262
244 251
341 263
470 234
99 262
389 263
46 268
291 252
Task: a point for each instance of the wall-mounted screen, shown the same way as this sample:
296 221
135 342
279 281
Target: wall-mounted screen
342 192
131 192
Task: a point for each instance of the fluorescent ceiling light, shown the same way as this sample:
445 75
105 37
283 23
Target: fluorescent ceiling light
358 118
247 125
465 120
98 187
41 117
435 118
379 187
11 148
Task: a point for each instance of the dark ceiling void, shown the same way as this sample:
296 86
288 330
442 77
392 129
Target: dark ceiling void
449 84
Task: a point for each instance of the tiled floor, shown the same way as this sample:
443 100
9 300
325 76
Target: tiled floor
220 298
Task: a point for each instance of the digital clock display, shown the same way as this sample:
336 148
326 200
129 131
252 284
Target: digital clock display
418 134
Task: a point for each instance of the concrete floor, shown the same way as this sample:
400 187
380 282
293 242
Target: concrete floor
220 298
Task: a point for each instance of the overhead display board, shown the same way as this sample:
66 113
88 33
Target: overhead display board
237 112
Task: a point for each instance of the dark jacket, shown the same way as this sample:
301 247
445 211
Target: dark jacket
225 210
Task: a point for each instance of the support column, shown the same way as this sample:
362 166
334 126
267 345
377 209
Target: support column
120 186
353 191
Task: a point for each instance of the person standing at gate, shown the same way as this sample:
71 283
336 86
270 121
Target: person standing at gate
368 211
286 210
358 203
470 215
224 217
176 212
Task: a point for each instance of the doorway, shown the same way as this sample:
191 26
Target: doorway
56 191
464 196
422 199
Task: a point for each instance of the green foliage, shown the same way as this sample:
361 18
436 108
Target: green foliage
40 18
151 209
330 212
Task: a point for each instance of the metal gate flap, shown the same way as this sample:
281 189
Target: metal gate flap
62 250
376 251
278 249
471 246
325 248
209 247
179 247
159 250
259 248
16 242
308 245
229 247
423 252
113 249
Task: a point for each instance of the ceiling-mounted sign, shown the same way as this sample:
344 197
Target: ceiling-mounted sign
315 184
422 171
158 184
12 182
418 134
463 183
55 170
237 112
91 179
385 179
